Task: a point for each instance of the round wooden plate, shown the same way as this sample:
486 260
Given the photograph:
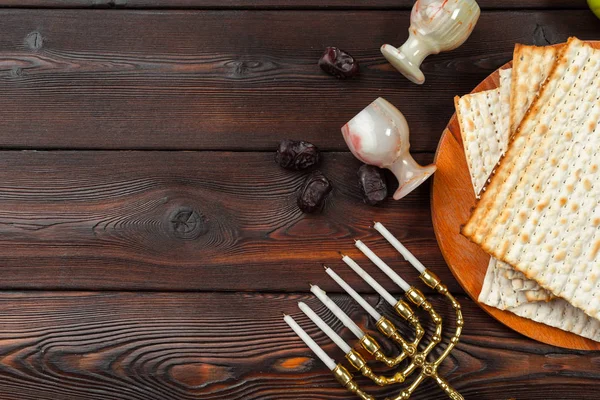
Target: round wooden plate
452 200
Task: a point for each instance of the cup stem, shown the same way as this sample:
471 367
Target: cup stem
407 58
415 50
409 174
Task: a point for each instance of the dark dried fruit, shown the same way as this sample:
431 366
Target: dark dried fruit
338 63
296 155
372 184
314 192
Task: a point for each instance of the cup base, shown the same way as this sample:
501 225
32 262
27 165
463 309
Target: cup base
402 64
410 185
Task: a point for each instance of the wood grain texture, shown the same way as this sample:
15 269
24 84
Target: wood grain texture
281 4
452 200
134 346
191 221
203 221
102 79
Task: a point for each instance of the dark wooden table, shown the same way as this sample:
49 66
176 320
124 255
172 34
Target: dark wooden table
148 241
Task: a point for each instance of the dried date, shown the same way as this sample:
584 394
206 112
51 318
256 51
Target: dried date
296 155
314 192
372 184
338 63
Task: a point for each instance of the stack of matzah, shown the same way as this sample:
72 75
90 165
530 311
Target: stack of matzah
533 151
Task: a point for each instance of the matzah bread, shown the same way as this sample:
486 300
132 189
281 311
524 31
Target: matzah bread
557 313
510 290
531 67
483 118
500 292
560 314
505 95
533 291
540 212
482 133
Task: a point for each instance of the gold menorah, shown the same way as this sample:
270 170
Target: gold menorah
416 359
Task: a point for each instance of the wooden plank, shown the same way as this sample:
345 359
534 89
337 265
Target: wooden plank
282 4
198 80
131 346
191 221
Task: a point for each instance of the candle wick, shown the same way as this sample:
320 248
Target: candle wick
284 315
342 254
325 267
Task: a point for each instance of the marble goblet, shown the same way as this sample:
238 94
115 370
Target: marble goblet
435 26
379 135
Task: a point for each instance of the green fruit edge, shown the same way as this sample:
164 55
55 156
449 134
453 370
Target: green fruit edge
594 6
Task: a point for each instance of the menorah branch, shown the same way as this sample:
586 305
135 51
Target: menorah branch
386 327
374 348
418 298
360 364
403 309
434 282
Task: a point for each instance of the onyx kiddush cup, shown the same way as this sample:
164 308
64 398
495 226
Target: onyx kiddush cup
379 136
435 26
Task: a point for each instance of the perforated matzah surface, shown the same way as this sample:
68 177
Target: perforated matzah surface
482 133
540 212
531 67
496 292
505 95
510 288
530 80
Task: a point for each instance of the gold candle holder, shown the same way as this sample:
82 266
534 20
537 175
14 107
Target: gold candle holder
418 360
412 357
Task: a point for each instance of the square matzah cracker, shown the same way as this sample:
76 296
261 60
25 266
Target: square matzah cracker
484 121
540 212
483 117
510 290
503 287
482 133
530 80
531 67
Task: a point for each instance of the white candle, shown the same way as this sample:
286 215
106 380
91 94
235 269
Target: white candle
337 311
309 342
382 266
408 256
363 303
324 327
369 279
